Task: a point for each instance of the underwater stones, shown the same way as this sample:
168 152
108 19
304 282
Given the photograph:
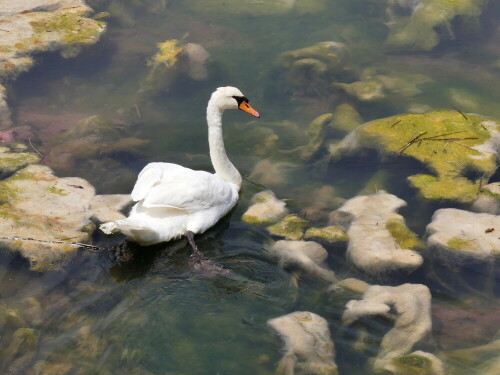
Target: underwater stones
463 236
308 256
268 172
33 26
408 305
379 240
488 199
366 91
417 363
459 149
312 69
345 119
37 204
173 59
309 348
419 25
12 160
5 120
328 234
107 207
351 284
265 209
291 227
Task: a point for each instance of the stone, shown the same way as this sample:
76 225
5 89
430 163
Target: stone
379 241
268 172
12 160
459 237
460 150
409 305
108 207
5 116
308 344
352 284
308 256
488 199
291 227
329 234
345 119
418 363
265 209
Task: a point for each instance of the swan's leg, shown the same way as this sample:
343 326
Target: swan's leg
197 256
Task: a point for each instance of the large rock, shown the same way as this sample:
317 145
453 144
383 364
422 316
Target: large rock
460 150
459 237
36 204
33 26
379 240
265 209
409 305
488 199
308 344
5 120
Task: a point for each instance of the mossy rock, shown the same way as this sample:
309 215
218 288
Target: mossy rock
329 234
403 236
11 161
458 148
291 227
413 365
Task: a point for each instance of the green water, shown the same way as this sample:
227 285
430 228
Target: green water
154 314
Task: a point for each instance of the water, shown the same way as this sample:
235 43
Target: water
153 314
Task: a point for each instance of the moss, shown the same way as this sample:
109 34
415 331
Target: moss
73 28
12 161
329 234
168 53
404 237
461 244
54 190
413 365
450 160
291 227
489 193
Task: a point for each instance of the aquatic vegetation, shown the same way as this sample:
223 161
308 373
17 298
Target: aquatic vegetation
12 161
329 234
291 227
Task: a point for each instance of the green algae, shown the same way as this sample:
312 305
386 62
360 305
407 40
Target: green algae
168 53
461 244
291 227
404 237
329 234
489 193
413 365
449 143
54 190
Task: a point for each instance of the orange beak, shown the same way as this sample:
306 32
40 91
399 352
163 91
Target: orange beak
244 106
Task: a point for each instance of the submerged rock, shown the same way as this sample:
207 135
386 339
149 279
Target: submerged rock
308 256
419 25
418 363
5 119
291 227
379 240
408 305
308 345
172 60
488 199
329 234
265 209
462 236
460 150
13 160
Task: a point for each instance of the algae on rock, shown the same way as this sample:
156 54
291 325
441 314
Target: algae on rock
291 227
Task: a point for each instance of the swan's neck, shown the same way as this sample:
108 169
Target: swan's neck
223 167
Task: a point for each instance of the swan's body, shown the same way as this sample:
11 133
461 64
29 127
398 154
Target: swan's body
173 201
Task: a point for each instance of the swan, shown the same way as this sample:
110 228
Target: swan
174 201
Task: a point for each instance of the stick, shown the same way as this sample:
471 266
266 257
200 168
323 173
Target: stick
74 244
397 122
137 109
253 183
459 111
29 139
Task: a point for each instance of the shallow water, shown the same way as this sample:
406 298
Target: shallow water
100 314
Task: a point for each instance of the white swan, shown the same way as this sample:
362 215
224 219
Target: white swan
173 201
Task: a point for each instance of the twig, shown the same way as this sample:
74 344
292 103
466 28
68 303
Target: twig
29 139
74 244
7 31
253 183
397 122
459 111
137 109
445 134
412 141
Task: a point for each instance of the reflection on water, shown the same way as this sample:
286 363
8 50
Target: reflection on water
147 312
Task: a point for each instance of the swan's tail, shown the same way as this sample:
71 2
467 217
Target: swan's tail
137 233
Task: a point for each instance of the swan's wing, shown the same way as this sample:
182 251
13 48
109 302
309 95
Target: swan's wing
170 185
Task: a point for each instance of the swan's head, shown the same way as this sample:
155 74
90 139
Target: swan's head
231 98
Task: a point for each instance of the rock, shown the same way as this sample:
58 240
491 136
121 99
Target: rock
172 60
5 119
459 237
366 91
352 284
12 161
107 207
379 240
324 200
483 359
488 199
345 119
310 70
34 26
408 305
460 150
418 25
291 227
329 234
419 363
268 172
308 344
265 209
308 256
37 204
